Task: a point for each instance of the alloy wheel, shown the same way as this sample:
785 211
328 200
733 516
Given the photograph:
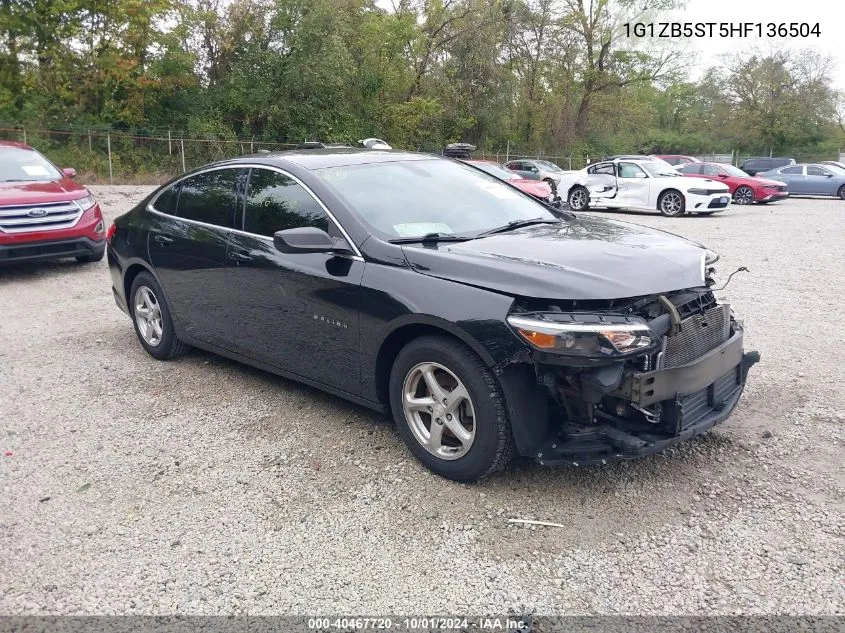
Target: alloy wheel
672 203
578 199
743 195
438 410
148 316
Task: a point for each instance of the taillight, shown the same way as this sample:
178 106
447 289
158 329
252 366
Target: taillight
112 230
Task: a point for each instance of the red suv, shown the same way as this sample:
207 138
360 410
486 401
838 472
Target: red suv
44 214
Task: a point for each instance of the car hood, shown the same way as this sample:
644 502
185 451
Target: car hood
40 192
580 258
534 187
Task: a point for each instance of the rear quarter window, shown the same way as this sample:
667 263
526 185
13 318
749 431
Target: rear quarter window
167 200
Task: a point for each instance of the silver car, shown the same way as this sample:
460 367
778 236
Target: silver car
537 170
810 179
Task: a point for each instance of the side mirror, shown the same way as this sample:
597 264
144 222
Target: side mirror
69 172
723 175
308 239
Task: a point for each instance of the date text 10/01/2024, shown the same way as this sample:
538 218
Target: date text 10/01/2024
721 29
427 624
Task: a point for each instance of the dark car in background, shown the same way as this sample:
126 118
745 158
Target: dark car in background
420 286
811 179
44 212
536 188
744 189
754 166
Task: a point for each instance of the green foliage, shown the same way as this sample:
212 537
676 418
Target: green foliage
550 76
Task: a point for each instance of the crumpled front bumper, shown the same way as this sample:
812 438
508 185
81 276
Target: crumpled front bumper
694 398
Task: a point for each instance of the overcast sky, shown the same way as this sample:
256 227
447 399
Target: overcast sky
830 14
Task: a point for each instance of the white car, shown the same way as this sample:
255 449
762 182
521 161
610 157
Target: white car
642 184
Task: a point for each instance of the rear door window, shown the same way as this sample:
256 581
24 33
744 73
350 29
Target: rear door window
602 168
167 199
710 170
275 202
209 197
796 169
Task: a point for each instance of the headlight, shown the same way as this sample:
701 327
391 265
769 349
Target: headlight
86 203
710 257
593 339
698 192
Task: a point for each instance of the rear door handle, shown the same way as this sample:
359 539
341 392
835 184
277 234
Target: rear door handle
163 239
239 256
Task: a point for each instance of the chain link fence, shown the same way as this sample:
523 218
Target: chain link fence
132 157
154 156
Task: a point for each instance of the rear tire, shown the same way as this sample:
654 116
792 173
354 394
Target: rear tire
151 318
481 443
743 195
671 203
842 192
578 198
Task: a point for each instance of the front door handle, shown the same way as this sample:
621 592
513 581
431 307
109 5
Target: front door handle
163 239
239 256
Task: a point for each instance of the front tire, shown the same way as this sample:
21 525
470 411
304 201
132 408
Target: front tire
551 183
152 320
671 203
743 195
578 198
449 409
842 192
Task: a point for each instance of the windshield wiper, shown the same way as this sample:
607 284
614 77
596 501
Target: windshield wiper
517 224
430 238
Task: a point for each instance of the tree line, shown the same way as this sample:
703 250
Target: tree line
556 76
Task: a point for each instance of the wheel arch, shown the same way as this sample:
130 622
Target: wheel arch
667 190
406 330
131 272
135 268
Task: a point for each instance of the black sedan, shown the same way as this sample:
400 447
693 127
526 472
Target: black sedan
423 287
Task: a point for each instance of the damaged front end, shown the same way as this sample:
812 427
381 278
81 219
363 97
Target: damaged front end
626 379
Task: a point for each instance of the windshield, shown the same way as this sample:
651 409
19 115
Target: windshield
25 165
494 170
834 168
406 199
547 165
659 169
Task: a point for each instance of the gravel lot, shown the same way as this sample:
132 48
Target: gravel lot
202 486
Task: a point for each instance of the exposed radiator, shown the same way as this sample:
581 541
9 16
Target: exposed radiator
699 334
